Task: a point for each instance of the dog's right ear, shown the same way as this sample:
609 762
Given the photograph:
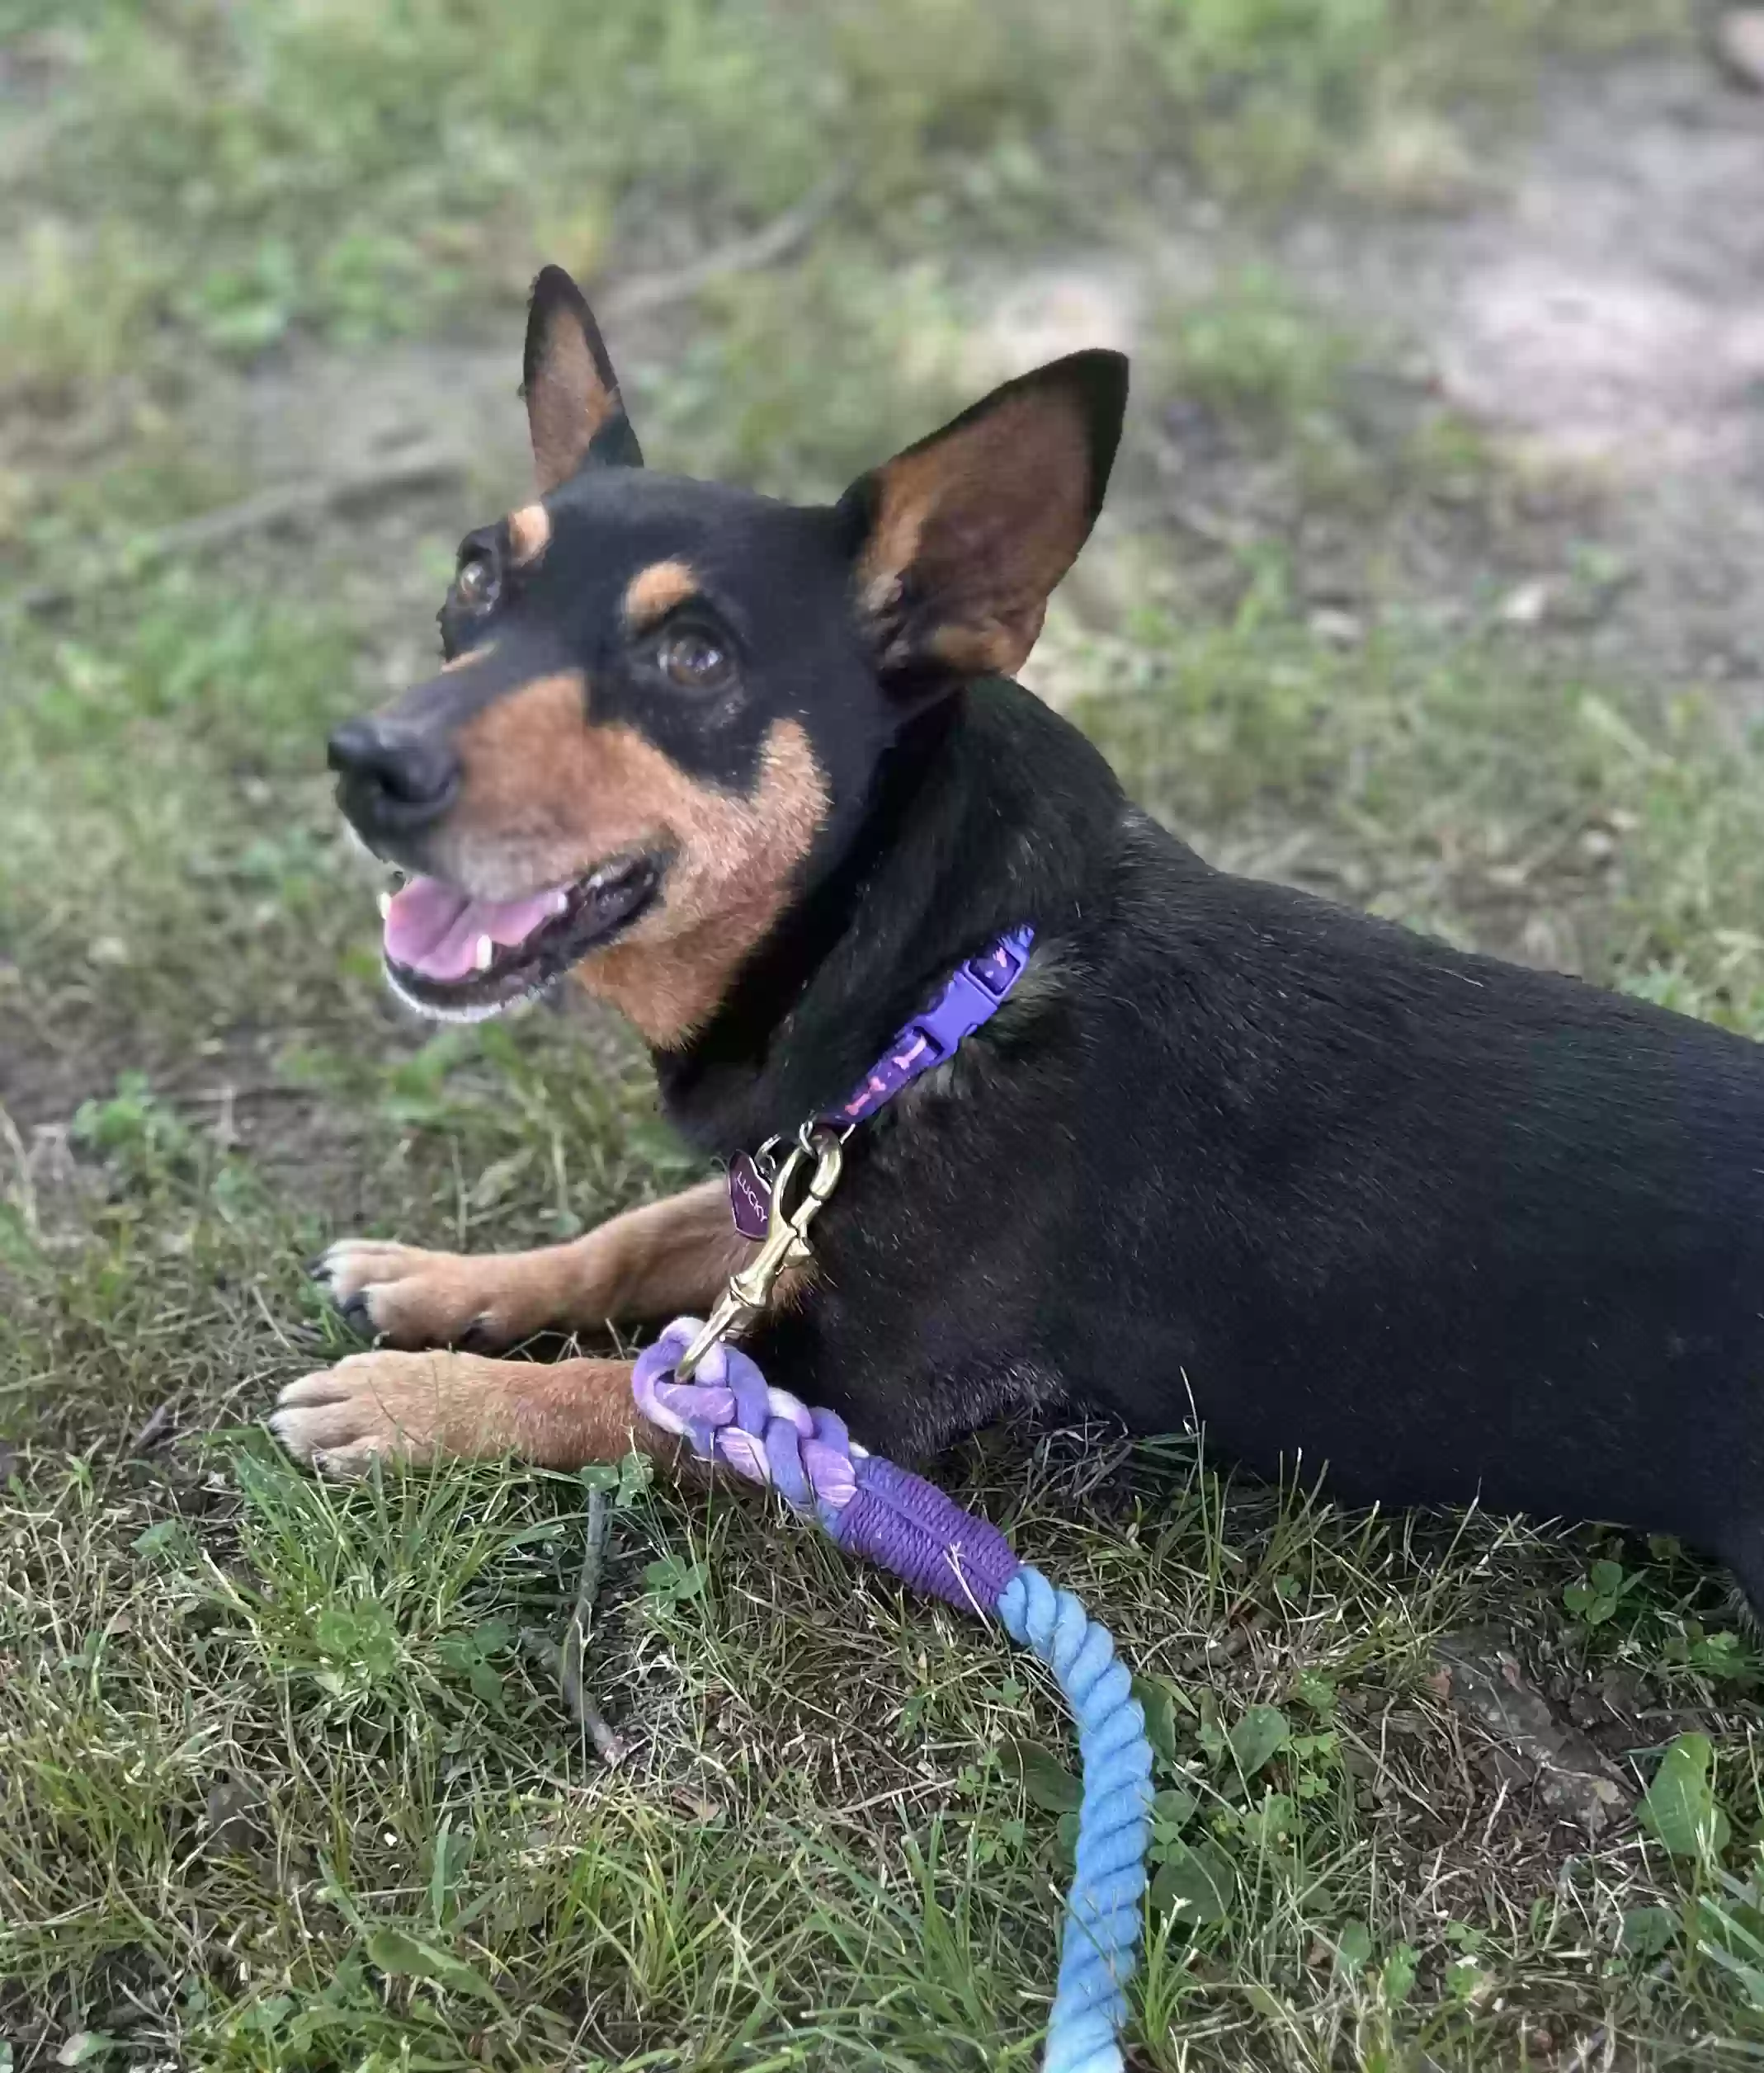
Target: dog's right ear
574 410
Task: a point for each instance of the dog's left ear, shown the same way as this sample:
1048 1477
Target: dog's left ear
574 410
964 536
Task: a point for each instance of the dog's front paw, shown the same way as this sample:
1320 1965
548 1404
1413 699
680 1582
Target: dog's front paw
399 1407
411 1297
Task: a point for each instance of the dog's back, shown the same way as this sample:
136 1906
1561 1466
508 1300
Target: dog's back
1454 1228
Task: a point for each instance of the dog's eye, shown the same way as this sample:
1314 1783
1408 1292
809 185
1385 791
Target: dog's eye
479 583
695 660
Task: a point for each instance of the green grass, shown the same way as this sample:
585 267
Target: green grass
795 384
285 1781
1250 351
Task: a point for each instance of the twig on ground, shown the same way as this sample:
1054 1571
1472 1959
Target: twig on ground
1589 2048
159 1424
765 246
298 503
15 1144
264 512
566 1663
257 1091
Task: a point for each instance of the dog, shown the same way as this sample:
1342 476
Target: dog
758 775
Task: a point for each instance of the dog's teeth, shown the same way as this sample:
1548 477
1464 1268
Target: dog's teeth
486 954
559 901
385 905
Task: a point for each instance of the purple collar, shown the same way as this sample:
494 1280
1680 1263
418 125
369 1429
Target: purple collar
972 994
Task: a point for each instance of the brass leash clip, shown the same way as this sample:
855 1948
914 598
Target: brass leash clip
785 1244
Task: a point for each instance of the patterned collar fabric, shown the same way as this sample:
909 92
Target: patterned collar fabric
972 994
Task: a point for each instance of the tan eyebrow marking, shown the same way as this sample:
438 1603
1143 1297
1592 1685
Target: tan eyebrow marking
655 591
470 656
529 534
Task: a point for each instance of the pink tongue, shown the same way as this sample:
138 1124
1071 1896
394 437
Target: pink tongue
434 929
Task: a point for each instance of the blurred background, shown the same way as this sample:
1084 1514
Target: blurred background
1430 580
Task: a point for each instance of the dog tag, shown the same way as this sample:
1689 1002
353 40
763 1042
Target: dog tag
749 1198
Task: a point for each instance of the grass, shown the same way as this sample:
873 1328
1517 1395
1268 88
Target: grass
218 177
285 1782
878 351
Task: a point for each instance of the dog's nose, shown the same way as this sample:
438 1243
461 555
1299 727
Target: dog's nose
393 779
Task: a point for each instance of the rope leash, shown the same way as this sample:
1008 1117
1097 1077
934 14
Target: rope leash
695 1385
869 1506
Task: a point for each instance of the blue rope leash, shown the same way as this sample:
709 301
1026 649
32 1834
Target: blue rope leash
729 1414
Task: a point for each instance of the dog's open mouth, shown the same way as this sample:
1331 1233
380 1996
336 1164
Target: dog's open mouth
455 954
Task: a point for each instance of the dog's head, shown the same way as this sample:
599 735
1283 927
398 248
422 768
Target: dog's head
662 701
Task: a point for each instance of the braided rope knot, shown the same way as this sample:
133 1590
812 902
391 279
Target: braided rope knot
871 1507
729 1413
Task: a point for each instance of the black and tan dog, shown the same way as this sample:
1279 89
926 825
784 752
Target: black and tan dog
757 774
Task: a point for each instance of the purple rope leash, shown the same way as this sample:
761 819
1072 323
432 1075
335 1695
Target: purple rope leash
728 1413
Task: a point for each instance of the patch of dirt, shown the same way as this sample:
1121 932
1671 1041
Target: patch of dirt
1596 308
314 412
1604 312
230 1094
1529 1747
41 1082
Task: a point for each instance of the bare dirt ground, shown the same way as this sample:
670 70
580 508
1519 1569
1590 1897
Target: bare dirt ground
1596 306
1604 310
